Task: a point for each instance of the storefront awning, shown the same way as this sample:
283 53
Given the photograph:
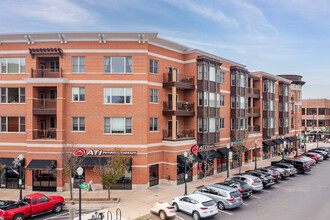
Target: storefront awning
224 151
291 139
182 159
42 165
268 143
210 154
294 138
278 141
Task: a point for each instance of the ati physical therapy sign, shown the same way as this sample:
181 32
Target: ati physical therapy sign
82 152
196 148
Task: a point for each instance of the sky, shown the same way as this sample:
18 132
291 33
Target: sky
274 36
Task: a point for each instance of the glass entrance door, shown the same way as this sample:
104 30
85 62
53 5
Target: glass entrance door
44 180
153 175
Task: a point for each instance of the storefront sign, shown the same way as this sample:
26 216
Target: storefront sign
236 142
196 148
82 152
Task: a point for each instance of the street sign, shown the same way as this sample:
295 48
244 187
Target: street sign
84 186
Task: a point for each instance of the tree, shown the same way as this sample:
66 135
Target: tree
206 158
242 146
71 164
113 170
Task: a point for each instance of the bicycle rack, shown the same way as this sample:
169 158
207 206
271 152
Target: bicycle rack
118 211
109 212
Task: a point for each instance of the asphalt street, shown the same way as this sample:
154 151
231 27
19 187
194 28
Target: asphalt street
303 197
64 215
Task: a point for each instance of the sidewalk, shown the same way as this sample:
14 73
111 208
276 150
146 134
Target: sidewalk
136 203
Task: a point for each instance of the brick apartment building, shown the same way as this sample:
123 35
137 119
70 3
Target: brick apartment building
316 114
152 98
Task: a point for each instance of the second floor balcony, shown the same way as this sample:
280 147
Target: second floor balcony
44 106
181 81
46 73
182 109
252 92
44 134
180 135
254 112
254 129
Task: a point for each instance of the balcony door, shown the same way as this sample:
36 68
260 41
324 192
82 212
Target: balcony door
170 69
170 127
42 70
42 128
42 97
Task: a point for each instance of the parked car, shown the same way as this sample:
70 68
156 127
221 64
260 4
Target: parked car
311 161
197 205
289 167
273 173
254 182
284 173
164 210
312 156
267 180
301 165
323 153
32 205
242 187
225 197
325 148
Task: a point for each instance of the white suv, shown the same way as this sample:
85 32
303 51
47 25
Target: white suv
199 206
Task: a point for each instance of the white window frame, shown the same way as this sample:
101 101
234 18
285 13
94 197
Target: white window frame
222 100
212 125
110 95
78 94
79 65
206 98
6 95
19 65
212 74
200 99
152 124
125 59
212 97
222 123
222 77
79 124
200 125
200 72
154 91
110 126
152 65
19 124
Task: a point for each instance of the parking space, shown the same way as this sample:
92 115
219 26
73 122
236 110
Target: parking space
63 215
304 196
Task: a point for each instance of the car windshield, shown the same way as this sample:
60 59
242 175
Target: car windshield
208 203
235 194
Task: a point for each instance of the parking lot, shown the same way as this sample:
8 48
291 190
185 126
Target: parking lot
304 196
64 215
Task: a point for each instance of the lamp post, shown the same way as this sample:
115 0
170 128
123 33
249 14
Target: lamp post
284 145
297 148
80 172
317 139
185 154
255 154
20 159
228 146
305 139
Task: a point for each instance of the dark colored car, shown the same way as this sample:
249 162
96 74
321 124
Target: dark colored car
274 173
267 180
242 187
300 165
283 172
323 153
289 167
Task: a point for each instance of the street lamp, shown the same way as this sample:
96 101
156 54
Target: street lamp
228 146
284 145
80 172
255 154
298 144
20 159
185 154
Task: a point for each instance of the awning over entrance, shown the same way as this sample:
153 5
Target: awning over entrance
42 165
210 154
8 162
268 143
294 138
182 159
223 151
278 141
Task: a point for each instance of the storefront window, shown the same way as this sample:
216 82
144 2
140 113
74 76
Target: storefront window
125 182
265 152
180 173
235 161
44 180
274 151
153 175
222 164
9 178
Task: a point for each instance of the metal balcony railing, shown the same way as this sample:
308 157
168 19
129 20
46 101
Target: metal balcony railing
254 129
46 73
44 103
180 106
183 78
253 91
181 135
254 110
44 134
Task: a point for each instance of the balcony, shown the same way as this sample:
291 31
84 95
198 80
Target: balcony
44 106
254 112
182 109
181 135
46 73
254 93
44 134
182 82
254 129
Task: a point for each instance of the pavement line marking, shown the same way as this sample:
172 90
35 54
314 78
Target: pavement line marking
276 187
266 191
245 204
256 197
226 212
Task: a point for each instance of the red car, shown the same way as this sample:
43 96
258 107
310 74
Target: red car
33 204
311 156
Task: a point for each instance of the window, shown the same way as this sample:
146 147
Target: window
280 90
12 124
303 111
200 98
12 95
34 201
118 95
242 101
299 96
78 64
52 94
232 124
54 66
211 124
200 72
153 66
242 81
118 125
271 105
153 124
286 107
153 95
264 123
78 94
212 73
265 86
43 199
200 125
232 101
321 110
264 105
238 102
205 125
206 73
78 124
303 123
232 79
12 65
222 77
222 100
52 122
206 99
212 99
281 122
222 123
242 124
118 65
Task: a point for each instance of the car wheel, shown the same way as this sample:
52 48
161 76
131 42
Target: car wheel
57 208
176 207
196 215
18 217
162 215
221 206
